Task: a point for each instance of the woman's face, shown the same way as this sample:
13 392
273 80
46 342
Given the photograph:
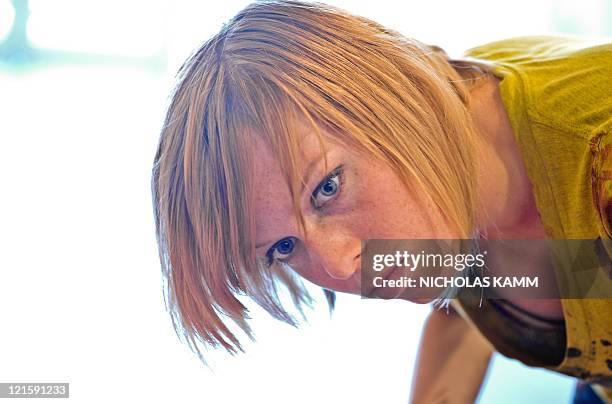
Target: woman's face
358 199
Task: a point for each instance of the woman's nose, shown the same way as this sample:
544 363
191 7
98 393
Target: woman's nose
336 251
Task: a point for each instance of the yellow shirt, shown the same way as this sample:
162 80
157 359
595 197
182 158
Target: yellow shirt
558 96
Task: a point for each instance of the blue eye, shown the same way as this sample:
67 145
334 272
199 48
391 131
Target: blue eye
328 189
282 250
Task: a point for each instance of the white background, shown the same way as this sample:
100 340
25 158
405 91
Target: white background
80 283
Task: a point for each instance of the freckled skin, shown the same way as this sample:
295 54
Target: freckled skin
372 203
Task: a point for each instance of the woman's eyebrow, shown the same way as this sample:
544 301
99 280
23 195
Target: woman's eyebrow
257 247
309 170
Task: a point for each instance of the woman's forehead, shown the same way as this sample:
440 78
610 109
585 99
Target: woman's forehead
310 145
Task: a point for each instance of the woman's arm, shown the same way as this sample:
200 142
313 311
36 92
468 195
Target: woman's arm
452 362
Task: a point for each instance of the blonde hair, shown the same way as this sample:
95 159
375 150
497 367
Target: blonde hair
277 62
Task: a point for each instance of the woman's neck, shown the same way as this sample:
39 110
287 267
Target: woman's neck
507 203
507 208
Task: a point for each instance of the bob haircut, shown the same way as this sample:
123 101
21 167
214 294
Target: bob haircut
275 63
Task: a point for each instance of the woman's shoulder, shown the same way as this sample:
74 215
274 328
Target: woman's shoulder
525 49
558 95
560 82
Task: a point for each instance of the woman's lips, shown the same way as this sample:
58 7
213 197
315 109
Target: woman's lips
385 292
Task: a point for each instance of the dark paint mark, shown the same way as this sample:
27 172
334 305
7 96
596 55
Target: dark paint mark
573 352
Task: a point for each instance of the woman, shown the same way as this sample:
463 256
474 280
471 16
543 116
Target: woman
300 130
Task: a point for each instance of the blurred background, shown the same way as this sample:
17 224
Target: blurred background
83 88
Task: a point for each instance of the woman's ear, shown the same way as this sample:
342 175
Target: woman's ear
460 73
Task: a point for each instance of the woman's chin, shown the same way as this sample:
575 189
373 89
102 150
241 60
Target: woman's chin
421 300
